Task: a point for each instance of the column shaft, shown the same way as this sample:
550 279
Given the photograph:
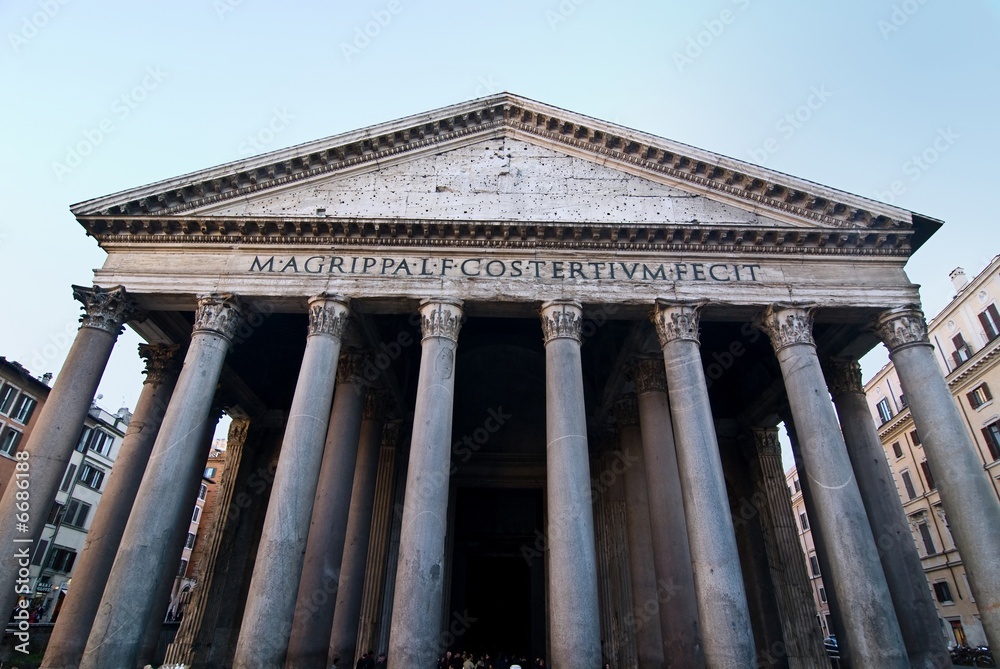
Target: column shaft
904 573
309 643
69 636
803 642
267 618
645 602
871 631
127 605
574 628
966 492
415 634
52 440
675 589
346 615
723 614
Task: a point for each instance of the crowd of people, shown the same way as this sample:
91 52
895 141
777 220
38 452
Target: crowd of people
469 660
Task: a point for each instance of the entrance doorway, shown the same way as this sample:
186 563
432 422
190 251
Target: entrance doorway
498 575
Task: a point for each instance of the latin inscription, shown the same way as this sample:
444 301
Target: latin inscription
496 268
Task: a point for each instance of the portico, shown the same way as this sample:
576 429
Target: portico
578 334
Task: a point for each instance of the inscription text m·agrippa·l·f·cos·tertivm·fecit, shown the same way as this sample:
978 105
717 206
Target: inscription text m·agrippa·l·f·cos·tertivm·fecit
496 268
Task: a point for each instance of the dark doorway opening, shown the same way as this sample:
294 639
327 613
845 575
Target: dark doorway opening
498 572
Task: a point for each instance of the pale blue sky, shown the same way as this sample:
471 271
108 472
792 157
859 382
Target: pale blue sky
206 82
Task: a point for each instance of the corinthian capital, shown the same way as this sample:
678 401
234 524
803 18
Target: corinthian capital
376 404
105 309
902 327
561 319
676 321
219 314
842 376
766 442
626 411
786 326
328 315
441 318
350 368
162 360
649 375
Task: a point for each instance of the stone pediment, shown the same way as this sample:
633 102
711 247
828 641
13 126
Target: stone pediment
487 169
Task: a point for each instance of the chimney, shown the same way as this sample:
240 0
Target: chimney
46 378
958 279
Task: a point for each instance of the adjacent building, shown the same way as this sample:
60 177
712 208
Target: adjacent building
21 397
71 514
966 336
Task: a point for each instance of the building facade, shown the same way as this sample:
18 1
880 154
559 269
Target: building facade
506 378
21 396
71 514
966 336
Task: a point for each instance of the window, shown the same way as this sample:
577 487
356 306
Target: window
76 513
992 434
958 632
81 445
182 569
68 479
928 477
884 412
908 484
914 437
55 513
962 352
196 515
897 450
190 540
23 409
814 565
10 439
804 521
202 491
943 592
990 320
62 559
979 396
902 401
100 442
7 396
925 536
209 472
791 493
91 477
43 545
798 487
822 594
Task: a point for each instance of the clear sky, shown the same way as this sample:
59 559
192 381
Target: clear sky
99 97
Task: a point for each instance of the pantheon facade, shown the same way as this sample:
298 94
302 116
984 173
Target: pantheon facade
505 378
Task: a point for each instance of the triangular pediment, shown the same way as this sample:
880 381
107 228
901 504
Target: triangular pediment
496 179
496 160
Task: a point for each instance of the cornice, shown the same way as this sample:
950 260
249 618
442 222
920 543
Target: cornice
972 367
501 116
364 232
